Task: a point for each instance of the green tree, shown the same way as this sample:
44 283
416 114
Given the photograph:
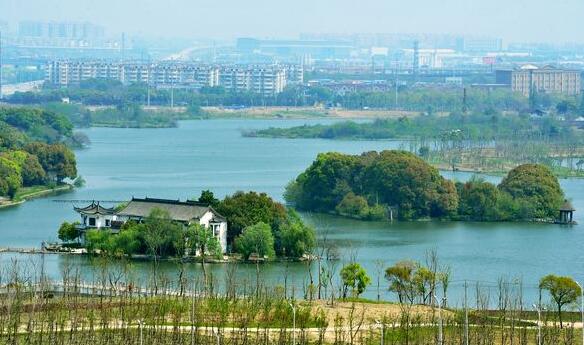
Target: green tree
202 242
353 206
68 232
129 241
424 280
98 241
33 172
245 209
563 290
161 234
400 277
296 238
256 239
10 177
207 197
56 159
354 277
28 165
478 200
536 187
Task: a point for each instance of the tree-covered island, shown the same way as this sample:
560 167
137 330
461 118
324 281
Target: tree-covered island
400 185
258 228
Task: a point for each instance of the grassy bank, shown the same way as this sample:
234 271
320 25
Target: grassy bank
27 193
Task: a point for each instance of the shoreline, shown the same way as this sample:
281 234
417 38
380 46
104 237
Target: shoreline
36 194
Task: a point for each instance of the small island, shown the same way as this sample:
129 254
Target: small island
247 226
400 185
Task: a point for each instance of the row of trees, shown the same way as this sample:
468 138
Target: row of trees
427 99
401 185
414 283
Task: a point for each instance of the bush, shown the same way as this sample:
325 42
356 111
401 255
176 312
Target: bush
256 239
353 206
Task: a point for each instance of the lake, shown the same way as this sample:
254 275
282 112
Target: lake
212 154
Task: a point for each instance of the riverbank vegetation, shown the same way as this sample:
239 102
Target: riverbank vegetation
116 307
487 141
411 98
34 152
125 115
398 184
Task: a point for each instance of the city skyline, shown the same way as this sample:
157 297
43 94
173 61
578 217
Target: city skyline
519 21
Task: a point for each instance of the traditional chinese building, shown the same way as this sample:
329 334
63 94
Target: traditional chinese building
96 216
187 212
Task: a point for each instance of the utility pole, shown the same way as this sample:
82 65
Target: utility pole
172 94
123 46
440 337
396 84
148 97
416 65
581 309
293 323
464 102
538 308
465 314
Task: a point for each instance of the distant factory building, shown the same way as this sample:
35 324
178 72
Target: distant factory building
547 79
479 44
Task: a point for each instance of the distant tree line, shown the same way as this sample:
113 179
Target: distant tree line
398 184
422 99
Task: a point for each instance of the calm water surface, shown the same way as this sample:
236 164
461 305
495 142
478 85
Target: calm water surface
212 154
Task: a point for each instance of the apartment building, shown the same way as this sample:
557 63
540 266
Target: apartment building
263 79
547 79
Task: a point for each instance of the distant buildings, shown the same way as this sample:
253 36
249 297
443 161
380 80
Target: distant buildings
68 30
547 79
266 79
479 44
72 35
316 48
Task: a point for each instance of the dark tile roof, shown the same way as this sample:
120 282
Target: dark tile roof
94 208
183 211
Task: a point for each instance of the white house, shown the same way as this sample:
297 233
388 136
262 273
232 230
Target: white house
96 216
184 212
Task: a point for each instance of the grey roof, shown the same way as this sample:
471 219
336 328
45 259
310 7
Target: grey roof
178 210
94 208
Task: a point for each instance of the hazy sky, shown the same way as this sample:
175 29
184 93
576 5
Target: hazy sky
513 20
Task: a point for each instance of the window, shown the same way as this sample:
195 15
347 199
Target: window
91 221
107 222
216 230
